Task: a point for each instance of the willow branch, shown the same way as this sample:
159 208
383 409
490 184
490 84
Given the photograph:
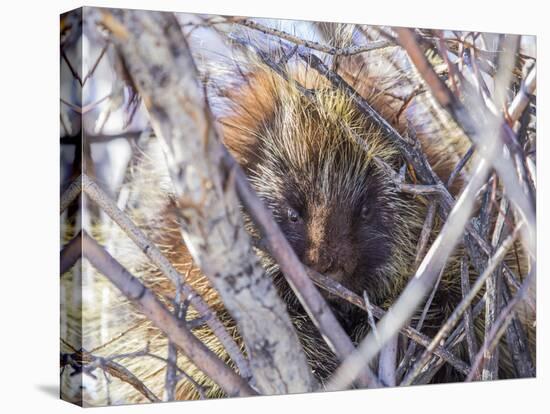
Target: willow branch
149 248
157 57
150 306
469 122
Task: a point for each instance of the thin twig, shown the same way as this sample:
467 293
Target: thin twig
331 50
70 194
427 227
468 318
83 361
461 307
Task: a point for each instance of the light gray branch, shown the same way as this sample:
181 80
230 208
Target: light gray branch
149 248
158 60
195 350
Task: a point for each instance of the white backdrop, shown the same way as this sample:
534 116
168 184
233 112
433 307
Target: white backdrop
29 293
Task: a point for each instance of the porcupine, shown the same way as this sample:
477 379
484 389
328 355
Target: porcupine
312 159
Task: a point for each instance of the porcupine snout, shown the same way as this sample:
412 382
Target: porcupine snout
329 249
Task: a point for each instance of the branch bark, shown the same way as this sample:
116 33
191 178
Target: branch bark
469 122
195 350
158 59
149 248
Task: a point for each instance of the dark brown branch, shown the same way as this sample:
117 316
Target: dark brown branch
332 286
70 254
83 361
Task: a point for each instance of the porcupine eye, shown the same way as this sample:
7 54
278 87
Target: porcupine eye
293 215
366 212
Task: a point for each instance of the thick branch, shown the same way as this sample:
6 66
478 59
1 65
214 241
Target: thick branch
150 306
158 59
149 248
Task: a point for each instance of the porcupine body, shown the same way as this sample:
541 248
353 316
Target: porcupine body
311 157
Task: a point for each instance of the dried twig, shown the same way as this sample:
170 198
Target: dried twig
83 361
331 50
468 318
461 307
499 327
425 233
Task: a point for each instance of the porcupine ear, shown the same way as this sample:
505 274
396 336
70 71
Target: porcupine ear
253 107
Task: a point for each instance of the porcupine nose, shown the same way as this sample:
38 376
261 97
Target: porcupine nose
319 261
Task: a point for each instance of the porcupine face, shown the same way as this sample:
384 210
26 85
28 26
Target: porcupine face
335 206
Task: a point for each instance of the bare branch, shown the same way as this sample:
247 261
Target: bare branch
331 50
425 233
157 57
499 327
149 248
412 153
70 253
469 123
521 100
85 361
332 286
468 318
462 306
70 194
419 285
149 305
